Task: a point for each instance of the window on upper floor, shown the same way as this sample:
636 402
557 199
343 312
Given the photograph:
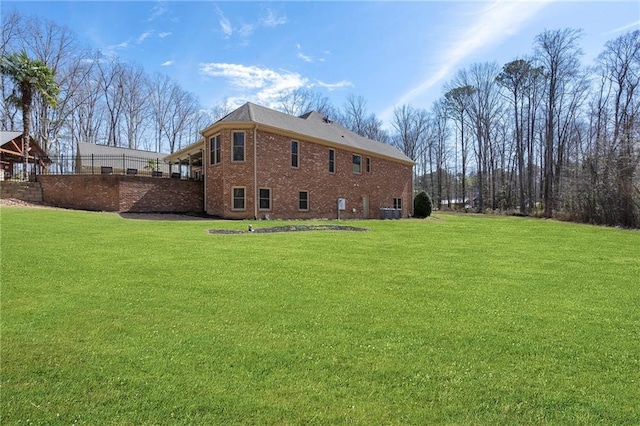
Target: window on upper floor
367 163
214 149
332 161
238 146
294 154
357 163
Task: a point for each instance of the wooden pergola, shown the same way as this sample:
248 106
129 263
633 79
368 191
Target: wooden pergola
11 153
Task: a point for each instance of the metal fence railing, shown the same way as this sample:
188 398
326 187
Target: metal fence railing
115 164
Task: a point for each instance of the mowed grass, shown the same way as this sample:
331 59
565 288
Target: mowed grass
459 319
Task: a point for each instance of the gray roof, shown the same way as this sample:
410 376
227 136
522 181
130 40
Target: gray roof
315 125
8 136
87 149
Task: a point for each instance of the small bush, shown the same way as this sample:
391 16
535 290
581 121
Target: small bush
422 205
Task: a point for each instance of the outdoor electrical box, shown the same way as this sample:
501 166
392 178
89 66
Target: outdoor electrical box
342 204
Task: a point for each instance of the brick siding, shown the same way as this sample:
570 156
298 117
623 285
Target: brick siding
386 180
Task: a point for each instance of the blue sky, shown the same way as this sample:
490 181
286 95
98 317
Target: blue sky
388 52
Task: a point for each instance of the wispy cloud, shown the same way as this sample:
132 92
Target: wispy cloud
625 27
142 37
164 34
495 22
309 58
167 63
244 30
272 20
157 11
225 24
335 86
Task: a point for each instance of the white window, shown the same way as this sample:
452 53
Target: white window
264 199
303 200
238 146
238 194
332 161
214 143
357 163
294 154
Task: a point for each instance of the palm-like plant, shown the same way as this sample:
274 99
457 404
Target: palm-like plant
29 77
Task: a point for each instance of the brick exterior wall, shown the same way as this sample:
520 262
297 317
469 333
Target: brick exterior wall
386 180
122 193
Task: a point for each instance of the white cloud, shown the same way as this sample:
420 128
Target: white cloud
308 58
225 24
157 11
164 35
305 57
494 23
142 37
167 63
263 85
245 30
272 20
334 86
625 27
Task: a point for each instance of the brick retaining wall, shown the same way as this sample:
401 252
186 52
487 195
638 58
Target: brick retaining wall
122 193
25 191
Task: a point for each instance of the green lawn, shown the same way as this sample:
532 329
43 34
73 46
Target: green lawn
459 319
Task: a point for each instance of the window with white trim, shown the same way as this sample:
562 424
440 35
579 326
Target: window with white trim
332 161
303 200
237 150
397 203
295 147
264 199
356 163
368 164
214 149
238 198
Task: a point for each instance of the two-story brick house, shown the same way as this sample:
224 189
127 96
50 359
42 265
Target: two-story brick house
258 162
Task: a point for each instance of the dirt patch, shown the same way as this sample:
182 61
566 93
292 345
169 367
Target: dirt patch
288 228
14 202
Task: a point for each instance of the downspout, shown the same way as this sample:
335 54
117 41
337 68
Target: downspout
255 172
204 176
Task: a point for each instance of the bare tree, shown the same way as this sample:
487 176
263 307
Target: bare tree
410 125
303 100
458 101
558 53
135 108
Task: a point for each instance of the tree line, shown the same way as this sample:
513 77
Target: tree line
543 134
